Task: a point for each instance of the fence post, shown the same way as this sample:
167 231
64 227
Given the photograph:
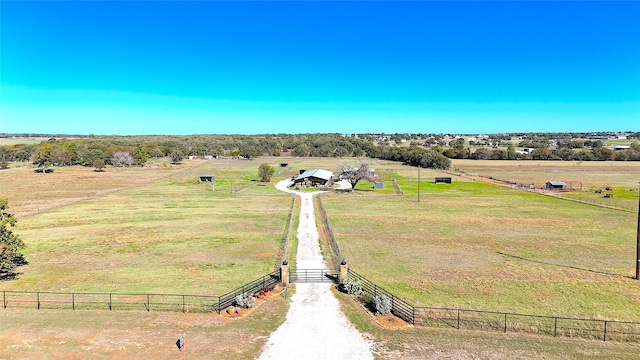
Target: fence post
505 322
73 301
605 331
148 303
38 293
393 304
109 302
458 319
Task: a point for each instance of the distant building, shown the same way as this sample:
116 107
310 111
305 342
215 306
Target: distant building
621 147
314 177
556 185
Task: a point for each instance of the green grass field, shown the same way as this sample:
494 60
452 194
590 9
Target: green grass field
479 246
172 235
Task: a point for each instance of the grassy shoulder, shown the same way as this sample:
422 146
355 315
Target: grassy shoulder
429 343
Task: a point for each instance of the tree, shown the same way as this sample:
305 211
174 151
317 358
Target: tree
266 171
176 157
10 243
121 158
353 174
511 152
99 165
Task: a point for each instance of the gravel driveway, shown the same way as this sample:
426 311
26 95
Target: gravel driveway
315 327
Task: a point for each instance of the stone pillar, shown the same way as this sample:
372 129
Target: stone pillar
343 275
284 273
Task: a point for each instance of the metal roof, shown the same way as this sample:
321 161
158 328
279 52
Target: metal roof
556 183
319 173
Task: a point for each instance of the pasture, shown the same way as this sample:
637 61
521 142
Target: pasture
475 245
469 244
153 229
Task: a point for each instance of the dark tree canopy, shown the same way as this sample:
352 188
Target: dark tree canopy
10 243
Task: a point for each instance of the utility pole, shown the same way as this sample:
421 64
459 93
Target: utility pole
418 183
638 239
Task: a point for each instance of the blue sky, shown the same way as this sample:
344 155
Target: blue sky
161 67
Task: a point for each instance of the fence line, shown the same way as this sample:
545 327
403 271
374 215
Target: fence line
333 243
282 252
455 318
264 283
240 188
526 187
134 301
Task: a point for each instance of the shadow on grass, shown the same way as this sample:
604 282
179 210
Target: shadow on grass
564 266
12 275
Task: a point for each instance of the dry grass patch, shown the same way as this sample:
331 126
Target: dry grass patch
53 334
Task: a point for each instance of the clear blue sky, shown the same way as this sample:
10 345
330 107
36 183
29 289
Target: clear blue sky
160 67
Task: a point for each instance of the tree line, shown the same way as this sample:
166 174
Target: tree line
136 150
426 150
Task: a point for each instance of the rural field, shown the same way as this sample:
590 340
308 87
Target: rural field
588 179
469 244
475 245
162 232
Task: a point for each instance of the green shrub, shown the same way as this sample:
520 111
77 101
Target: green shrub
367 299
382 304
351 286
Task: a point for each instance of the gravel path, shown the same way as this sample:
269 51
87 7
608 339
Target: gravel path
315 327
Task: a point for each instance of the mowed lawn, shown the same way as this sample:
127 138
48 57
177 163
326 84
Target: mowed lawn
474 245
170 235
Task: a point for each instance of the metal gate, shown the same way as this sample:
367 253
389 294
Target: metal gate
313 276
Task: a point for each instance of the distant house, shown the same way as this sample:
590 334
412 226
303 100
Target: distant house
210 157
621 147
314 177
555 185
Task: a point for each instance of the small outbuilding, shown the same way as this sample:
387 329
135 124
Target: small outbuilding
207 178
314 177
556 185
443 180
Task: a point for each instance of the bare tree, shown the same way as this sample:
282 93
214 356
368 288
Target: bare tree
122 158
353 174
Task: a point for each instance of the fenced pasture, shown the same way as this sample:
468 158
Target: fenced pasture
171 235
585 177
590 173
31 193
28 333
455 318
478 246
